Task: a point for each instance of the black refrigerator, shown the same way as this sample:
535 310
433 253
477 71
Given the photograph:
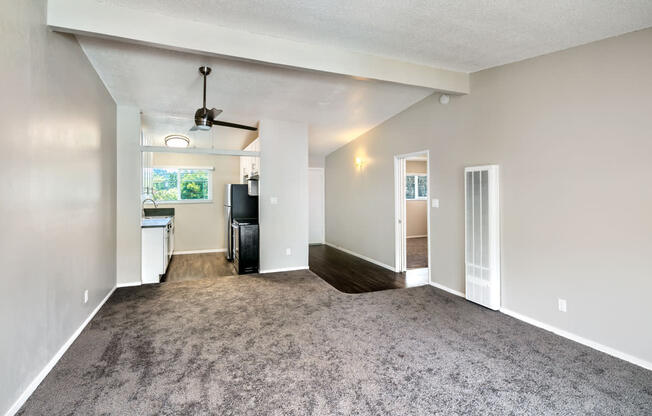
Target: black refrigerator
238 204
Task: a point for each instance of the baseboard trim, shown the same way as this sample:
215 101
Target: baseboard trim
417 236
208 250
283 269
54 360
448 289
369 259
573 337
562 333
129 284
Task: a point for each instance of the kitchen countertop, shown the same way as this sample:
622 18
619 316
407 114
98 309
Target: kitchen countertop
154 222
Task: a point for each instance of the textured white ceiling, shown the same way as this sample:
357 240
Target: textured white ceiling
463 35
337 108
156 126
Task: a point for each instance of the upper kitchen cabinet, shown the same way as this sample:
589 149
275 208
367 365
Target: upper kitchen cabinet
250 165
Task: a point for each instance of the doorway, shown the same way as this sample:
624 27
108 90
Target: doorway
412 235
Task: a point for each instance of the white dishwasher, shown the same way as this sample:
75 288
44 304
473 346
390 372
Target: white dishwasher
157 247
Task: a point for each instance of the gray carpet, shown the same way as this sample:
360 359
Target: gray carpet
289 344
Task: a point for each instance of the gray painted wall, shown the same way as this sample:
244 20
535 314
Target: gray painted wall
284 175
572 132
57 212
316 161
128 202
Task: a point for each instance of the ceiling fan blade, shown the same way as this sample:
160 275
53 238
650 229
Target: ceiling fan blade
213 113
234 125
193 128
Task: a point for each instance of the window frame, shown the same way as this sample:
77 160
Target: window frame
178 169
416 187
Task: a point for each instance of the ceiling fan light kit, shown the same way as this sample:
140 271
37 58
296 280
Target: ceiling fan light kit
205 118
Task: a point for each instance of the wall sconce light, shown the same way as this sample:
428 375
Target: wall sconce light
359 162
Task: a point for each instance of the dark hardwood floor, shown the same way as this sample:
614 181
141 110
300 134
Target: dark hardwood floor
417 252
351 274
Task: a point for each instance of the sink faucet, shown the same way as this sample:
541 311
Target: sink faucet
149 199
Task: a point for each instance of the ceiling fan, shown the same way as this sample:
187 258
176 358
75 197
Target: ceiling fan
205 118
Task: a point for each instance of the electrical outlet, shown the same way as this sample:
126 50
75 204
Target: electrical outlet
273 200
288 252
86 296
562 305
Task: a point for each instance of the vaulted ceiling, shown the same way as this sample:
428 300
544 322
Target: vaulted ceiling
158 81
464 36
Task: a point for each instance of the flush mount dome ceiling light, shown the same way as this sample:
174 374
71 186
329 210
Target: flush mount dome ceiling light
177 140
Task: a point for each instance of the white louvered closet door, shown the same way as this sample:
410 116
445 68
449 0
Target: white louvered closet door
482 235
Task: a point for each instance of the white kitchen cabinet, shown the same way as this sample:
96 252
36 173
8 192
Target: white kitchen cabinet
250 165
157 247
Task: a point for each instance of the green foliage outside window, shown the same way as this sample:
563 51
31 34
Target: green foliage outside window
172 184
194 184
409 187
416 187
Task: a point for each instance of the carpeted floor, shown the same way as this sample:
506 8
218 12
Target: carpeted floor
416 252
289 344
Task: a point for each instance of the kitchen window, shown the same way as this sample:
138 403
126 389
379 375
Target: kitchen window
416 186
182 185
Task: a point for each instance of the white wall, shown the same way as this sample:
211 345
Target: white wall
572 132
57 196
128 202
283 175
200 226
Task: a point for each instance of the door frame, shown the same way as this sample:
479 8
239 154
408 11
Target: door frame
400 232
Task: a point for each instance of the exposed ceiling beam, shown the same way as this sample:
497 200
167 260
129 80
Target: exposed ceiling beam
95 18
201 151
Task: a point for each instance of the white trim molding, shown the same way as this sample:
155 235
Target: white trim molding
562 333
416 236
283 269
54 360
448 289
208 250
129 284
369 259
573 337
198 151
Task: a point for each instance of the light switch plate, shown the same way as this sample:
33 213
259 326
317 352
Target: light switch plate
288 252
273 200
435 203
562 305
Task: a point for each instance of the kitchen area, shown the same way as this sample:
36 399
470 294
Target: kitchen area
200 213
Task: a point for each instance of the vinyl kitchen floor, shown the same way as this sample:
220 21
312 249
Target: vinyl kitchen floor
198 266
